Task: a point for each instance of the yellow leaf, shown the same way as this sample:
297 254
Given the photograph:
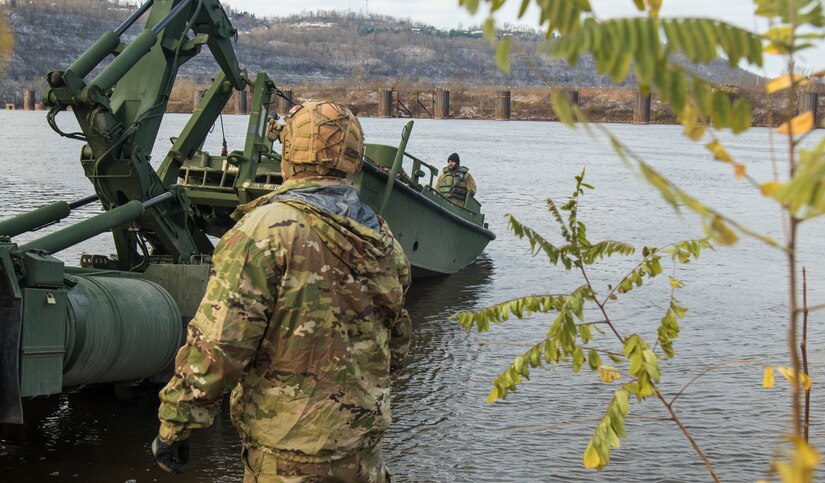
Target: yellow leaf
739 170
806 455
608 374
801 124
787 373
719 151
767 380
591 458
806 381
655 6
774 49
721 232
493 395
785 82
770 188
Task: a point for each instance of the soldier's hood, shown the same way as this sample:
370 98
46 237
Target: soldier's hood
348 228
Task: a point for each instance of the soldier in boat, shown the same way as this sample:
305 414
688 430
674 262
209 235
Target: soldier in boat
455 181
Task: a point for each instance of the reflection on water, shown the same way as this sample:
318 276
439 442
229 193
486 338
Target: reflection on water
443 429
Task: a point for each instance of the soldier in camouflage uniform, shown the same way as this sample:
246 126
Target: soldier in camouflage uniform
303 320
455 181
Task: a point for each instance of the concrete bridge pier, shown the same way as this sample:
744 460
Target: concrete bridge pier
641 112
385 102
28 100
810 102
572 97
502 105
442 104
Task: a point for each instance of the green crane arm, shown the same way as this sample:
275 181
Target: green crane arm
120 110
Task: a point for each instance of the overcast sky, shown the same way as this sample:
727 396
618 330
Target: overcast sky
447 14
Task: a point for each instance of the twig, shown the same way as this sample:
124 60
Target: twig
803 346
688 436
814 308
576 422
709 370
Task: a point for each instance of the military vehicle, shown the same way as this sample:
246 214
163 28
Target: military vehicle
121 318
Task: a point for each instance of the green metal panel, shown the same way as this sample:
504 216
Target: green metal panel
42 342
185 283
11 321
381 154
119 330
42 270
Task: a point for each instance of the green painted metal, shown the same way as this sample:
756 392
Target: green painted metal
11 322
256 143
62 239
191 139
396 166
185 283
42 342
41 270
120 125
34 219
438 237
105 45
118 329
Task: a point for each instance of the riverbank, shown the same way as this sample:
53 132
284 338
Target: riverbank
603 105
411 100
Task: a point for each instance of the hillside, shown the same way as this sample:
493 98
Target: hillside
317 49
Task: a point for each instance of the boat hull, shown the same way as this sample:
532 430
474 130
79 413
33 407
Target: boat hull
436 238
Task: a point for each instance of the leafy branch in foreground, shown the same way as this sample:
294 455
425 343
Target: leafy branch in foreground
645 46
567 339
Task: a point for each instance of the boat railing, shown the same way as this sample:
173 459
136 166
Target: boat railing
418 173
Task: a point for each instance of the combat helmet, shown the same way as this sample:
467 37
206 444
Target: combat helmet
320 137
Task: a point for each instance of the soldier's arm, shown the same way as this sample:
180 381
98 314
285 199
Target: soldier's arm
401 330
223 336
439 181
400 336
471 184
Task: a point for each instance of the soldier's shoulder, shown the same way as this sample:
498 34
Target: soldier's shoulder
264 219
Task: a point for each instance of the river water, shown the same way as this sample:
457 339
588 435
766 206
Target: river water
443 430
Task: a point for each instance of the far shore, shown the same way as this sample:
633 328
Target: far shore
600 105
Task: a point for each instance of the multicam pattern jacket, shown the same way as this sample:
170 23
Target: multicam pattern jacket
303 320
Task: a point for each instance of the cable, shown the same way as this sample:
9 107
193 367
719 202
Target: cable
224 150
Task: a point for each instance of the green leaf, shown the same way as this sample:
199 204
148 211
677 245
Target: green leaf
489 30
561 107
523 8
607 433
741 119
470 5
720 113
503 55
593 360
578 360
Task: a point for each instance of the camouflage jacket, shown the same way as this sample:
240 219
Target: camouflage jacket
303 320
